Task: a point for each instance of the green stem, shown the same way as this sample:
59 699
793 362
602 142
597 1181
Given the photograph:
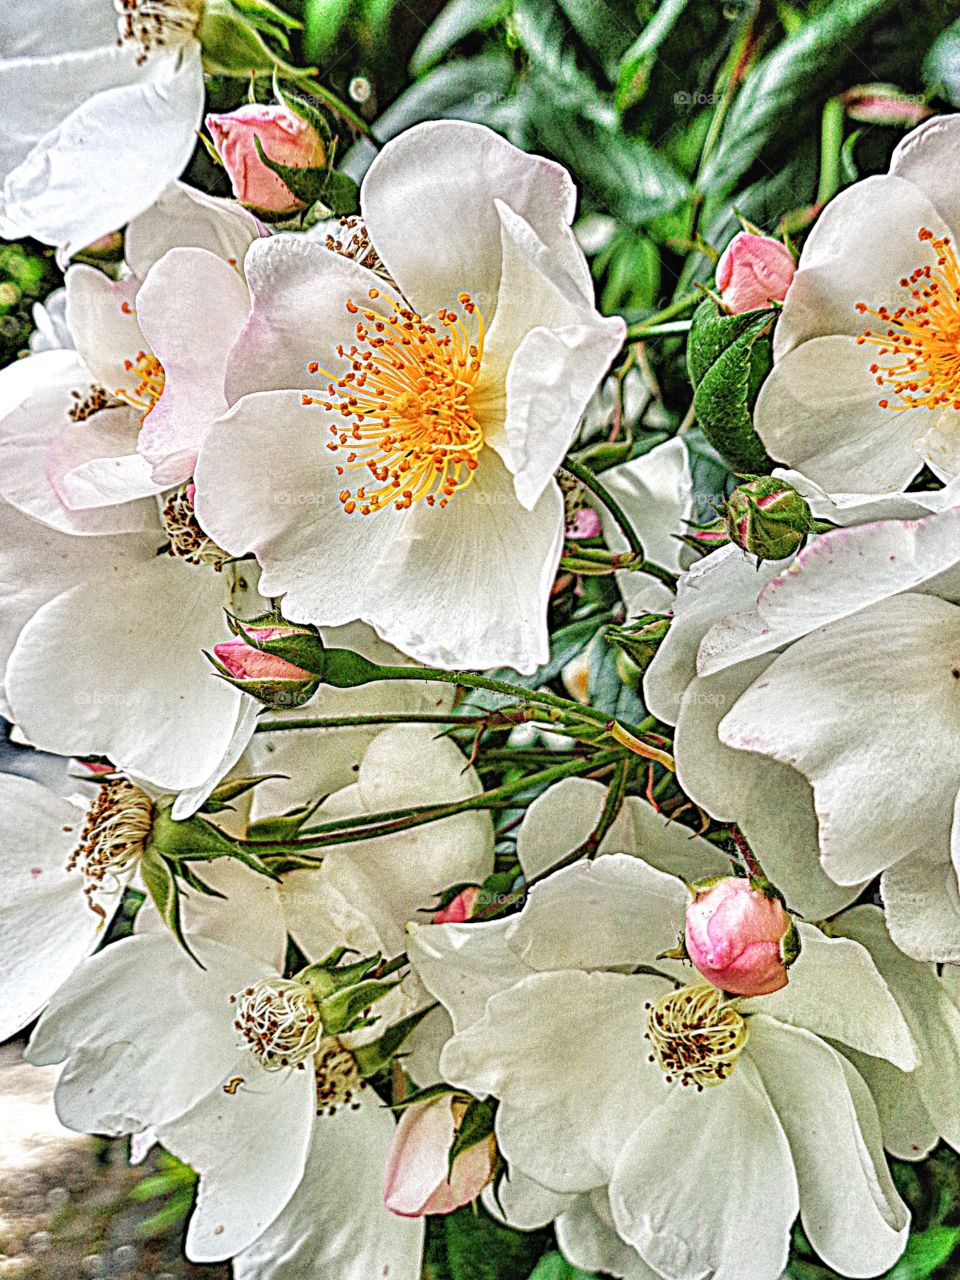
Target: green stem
653 324
352 722
613 803
599 490
373 825
831 143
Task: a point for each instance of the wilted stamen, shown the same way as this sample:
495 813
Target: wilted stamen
696 1035
114 834
280 1021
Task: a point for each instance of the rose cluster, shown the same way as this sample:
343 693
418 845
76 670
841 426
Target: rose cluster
288 495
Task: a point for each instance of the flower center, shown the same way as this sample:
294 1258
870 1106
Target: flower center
156 24
919 347
280 1021
338 1078
114 834
84 406
187 540
351 241
149 386
405 405
696 1035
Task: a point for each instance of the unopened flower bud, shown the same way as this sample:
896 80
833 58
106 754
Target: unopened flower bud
754 271
244 662
419 1178
460 908
584 523
768 518
740 937
285 139
641 639
885 104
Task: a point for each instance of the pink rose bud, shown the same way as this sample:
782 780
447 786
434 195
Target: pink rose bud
417 1179
754 271
585 524
740 939
244 662
284 138
460 908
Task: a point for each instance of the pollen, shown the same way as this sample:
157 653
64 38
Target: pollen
402 412
149 388
186 539
696 1035
918 343
85 405
114 835
147 25
279 1020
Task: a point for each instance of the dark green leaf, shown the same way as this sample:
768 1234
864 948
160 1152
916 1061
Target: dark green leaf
477 1248
781 95
476 1126
463 90
455 21
554 1266
728 358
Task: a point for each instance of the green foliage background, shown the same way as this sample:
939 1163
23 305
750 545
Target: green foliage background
670 115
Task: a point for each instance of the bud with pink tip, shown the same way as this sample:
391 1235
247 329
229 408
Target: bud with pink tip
460 908
754 271
244 662
419 1178
285 138
740 936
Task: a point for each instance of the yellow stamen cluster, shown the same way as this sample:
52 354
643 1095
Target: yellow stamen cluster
156 24
405 406
280 1021
696 1035
116 829
149 386
920 344
186 539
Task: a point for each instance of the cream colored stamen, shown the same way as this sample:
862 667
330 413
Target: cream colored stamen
114 835
696 1035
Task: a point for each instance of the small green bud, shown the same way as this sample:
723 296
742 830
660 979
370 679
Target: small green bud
768 518
640 639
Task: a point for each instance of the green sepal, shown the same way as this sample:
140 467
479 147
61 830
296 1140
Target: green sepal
728 357
475 1127
190 839
346 1010
285 826
305 111
303 647
232 45
641 639
221 796
431 1091
338 193
161 884
328 976
376 1055
790 944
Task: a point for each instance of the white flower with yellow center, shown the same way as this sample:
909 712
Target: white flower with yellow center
229 1066
102 102
117 414
865 387
408 394
675 1131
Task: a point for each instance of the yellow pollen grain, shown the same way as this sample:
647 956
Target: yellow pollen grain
403 407
918 347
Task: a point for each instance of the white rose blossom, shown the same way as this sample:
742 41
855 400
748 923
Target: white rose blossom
101 108
831 684
408 394
865 388
291 1160
760 1115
